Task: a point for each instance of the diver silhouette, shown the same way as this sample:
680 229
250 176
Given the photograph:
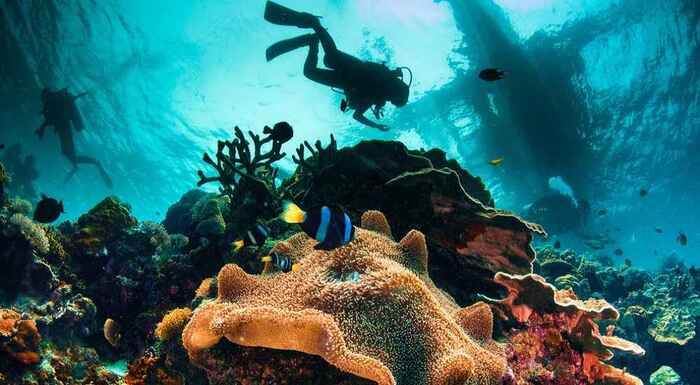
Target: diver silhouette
61 112
365 84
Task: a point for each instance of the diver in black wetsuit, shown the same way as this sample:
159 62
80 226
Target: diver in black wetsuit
365 84
60 111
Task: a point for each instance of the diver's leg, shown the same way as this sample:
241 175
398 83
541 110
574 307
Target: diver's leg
96 163
333 57
311 70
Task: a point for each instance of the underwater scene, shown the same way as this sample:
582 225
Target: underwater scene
349 192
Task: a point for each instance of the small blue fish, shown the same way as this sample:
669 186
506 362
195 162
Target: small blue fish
330 226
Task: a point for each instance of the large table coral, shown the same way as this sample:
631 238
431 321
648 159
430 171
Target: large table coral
369 308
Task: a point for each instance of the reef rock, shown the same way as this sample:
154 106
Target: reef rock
469 241
368 308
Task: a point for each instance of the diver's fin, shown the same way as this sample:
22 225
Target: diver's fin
288 45
105 176
281 15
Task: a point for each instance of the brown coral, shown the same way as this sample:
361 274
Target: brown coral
112 332
19 337
173 323
368 308
531 299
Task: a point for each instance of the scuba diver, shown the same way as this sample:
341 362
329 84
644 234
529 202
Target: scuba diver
365 84
60 112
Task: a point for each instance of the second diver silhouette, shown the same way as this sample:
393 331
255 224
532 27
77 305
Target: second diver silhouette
61 112
365 84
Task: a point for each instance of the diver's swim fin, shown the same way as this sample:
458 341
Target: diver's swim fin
284 46
281 15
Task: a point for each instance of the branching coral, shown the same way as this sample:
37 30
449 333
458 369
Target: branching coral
245 176
558 314
368 308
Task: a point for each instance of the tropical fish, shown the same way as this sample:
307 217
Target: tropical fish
48 210
343 105
330 226
282 132
643 192
619 252
256 236
557 244
496 162
682 238
659 230
283 263
2 146
492 74
602 212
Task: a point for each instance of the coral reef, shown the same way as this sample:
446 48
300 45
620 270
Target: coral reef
468 240
558 316
173 323
19 337
665 375
359 307
246 177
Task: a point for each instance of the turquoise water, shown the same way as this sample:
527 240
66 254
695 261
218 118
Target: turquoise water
603 94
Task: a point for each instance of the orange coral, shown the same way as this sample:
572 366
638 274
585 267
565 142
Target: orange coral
111 332
173 323
368 308
530 295
204 289
19 337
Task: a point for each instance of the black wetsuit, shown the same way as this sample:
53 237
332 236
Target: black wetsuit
360 80
61 112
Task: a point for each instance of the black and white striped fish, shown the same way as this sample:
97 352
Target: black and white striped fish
330 226
256 236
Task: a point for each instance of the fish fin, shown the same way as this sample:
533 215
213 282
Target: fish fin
292 213
267 130
267 259
295 267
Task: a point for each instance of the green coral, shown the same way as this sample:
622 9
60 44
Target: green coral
673 325
109 218
33 232
19 206
665 375
208 214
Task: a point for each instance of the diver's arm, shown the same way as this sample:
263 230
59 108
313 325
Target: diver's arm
80 95
359 115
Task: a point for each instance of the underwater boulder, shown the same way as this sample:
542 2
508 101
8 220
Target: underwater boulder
178 219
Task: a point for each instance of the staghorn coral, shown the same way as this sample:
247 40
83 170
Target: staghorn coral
531 299
19 337
173 323
368 308
246 177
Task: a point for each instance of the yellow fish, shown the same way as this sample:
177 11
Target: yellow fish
496 162
237 245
